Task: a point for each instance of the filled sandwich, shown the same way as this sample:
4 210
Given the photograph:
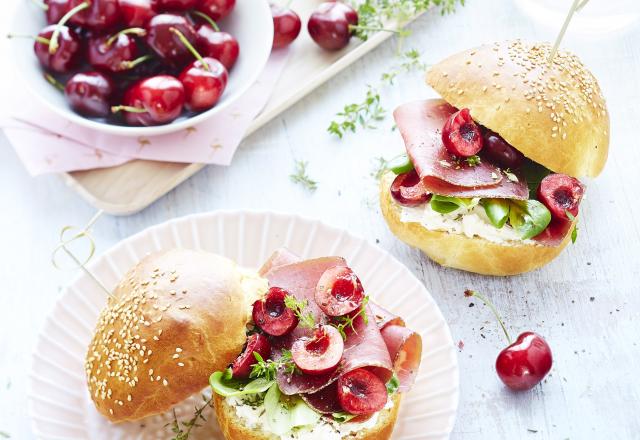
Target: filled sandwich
490 182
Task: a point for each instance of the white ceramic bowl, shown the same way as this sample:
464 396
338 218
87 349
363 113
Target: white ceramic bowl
250 22
59 403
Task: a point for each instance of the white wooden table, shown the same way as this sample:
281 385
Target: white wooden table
586 303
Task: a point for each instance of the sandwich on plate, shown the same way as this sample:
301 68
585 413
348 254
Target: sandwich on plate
296 350
490 182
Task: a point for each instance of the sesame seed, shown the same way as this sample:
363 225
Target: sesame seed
165 383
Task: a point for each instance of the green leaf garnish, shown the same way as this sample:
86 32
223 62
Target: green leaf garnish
574 233
342 417
473 161
528 217
393 384
269 368
400 164
533 173
342 322
445 205
223 384
305 319
497 210
301 177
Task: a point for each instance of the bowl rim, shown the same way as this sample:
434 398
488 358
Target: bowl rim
260 7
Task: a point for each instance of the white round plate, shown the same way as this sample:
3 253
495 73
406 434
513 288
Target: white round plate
250 22
60 406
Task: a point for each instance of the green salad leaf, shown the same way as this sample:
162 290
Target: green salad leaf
497 210
400 164
574 233
533 174
445 205
393 384
283 416
222 383
528 217
302 414
343 417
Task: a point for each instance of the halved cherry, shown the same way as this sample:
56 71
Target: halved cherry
407 189
361 392
339 291
272 315
256 343
461 135
319 354
561 193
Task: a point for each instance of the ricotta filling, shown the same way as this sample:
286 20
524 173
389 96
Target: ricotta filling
254 416
471 221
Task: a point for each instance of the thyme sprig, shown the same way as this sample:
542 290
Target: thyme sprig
381 165
343 322
301 177
305 320
269 368
182 430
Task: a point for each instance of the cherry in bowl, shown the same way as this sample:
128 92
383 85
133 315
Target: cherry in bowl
216 9
361 392
272 315
330 25
561 194
95 15
286 25
90 93
56 9
339 291
319 354
176 5
137 13
461 135
163 39
212 42
407 189
65 57
242 365
204 82
113 53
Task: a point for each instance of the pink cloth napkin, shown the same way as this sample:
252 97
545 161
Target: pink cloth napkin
47 143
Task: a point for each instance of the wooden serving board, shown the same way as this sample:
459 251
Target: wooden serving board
133 186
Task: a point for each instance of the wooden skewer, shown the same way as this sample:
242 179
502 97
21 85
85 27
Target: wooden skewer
575 7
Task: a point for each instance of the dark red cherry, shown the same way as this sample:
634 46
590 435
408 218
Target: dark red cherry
272 315
90 93
330 25
499 152
561 193
361 392
217 44
165 42
203 85
68 54
112 53
137 13
286 25
407 189
152 101
339 291
523 364
176 5
461 135
319 354
56 10
256 343
216 9
99 16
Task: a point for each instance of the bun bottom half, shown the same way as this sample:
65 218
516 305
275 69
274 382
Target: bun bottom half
461 252
233 427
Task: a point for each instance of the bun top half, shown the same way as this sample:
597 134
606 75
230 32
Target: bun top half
176 317
554 113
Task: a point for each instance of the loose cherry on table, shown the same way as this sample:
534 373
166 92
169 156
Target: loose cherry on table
461 135
98 15
90 93
216 9
331 24
339 291
286 25
499 152
67 55
256 343
152 101
213 43
137 13
361 392
523 363
407 189
271 314
165 42
115 53
320 353
561 194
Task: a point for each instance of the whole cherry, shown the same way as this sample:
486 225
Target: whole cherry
67 54
176 5
90 93
523 363
137 13
152 101
500 152
216 9
213 43
56 9
165 42
204 82
114 53
286 25
97 15
331 25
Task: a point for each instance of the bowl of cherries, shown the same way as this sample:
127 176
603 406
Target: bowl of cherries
140 67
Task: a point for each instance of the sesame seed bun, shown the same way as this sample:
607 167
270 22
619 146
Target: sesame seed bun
473 254
176 317
554 114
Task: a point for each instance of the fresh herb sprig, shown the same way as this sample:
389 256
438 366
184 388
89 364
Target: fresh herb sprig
473 161
182 430
301 177
269 368
343 322
305 320
381 165
574 233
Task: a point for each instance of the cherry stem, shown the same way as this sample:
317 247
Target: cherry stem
133 31
493 309
127 108
41 5
189 46
208 19
126 65
53 46
54 82
38 38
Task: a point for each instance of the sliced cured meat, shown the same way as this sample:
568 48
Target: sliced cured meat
280 257
554 233
420 124
405 348
384 317
324 401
